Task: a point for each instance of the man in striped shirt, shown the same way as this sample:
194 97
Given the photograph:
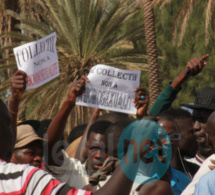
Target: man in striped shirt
25 179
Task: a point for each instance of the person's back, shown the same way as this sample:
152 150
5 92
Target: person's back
25 179
206 184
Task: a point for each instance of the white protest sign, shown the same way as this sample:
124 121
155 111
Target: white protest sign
39 60
111 89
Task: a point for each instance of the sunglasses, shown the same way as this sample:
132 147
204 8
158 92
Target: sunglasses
172 137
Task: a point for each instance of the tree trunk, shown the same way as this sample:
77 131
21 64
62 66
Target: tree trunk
150 36
7 24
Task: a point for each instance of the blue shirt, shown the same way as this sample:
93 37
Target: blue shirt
206 184
179 181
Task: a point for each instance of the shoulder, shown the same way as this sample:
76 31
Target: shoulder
203 170
207 161
21 177
206 184
181 176
204 167
209 178
18 169
68 163
159 187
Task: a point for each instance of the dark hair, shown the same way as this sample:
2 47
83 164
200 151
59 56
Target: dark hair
177 113
44 124
98 127
166 117
76 132
115 130
113 117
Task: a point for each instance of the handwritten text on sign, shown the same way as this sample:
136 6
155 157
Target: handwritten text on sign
111 89
39 60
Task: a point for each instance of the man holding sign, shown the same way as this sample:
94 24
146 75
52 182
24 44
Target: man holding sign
25 179
62 164
111 89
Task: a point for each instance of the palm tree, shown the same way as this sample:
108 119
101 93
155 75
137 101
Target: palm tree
183 16
150 36
89 32
7 24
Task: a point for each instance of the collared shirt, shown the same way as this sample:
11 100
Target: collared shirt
199 159
206 184
195 160
204 169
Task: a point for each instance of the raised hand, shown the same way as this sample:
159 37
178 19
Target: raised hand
141 102
18 85
77 88
196 65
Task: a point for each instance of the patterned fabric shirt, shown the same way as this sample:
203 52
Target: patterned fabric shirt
25 179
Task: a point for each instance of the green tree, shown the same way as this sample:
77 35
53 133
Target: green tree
89 32
7 24
182 17
193 45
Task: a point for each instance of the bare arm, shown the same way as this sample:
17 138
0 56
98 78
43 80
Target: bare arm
81 152
18 86
56 128
157 188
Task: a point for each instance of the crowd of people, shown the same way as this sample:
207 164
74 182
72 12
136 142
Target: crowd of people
34 158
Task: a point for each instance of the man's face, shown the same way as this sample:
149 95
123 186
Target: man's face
200 118
30 154
187 143
170 129
7 133
96 151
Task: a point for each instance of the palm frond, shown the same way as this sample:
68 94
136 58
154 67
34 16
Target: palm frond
208 19
88 32
183 16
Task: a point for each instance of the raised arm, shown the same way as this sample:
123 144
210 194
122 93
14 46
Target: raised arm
81 152
57 126
18 86
168 95
118 183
